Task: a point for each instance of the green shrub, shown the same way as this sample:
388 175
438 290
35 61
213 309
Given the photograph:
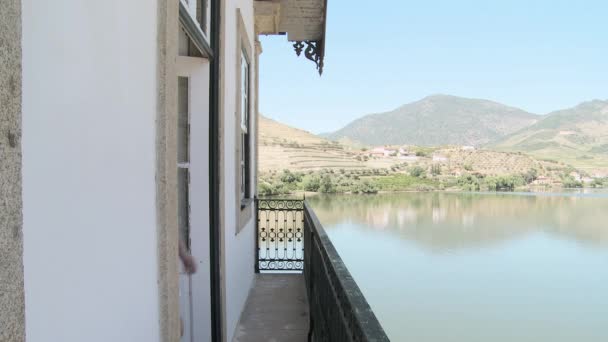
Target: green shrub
598 183
326 185
364 187
530 176
311 183
265 189
469 183
417 171
424 187
569 182
290 177
504 183
269 189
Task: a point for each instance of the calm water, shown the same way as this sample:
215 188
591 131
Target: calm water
477 267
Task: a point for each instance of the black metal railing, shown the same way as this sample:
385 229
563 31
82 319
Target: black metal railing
338 309
280 235
291 238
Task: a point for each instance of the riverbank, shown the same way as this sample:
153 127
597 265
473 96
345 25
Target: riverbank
415 179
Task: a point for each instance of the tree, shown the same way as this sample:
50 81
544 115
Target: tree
365 187
504 183
436 169
265 189
530 176
417 171
289 177
326 185
311 183
598 183
469 183
569 182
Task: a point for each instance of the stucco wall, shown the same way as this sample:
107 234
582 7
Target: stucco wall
89 205
238 248
12 327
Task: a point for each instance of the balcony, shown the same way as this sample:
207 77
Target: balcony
303 291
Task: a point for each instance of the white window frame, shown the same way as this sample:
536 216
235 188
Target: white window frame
243 127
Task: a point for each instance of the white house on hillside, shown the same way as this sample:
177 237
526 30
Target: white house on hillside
439 158
127 127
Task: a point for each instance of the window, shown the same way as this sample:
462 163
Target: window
244 132
183 160
244 129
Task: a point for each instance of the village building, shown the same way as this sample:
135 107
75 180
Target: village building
576 176
408 158
377 152
542 180
382 151
587 180
439 158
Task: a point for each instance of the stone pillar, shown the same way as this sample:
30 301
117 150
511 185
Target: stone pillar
12 300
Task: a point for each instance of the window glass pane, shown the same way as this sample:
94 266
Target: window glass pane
245 117
244 92
183 205
244 173
183 126
201 14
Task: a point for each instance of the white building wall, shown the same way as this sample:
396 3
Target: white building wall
238 248
89 107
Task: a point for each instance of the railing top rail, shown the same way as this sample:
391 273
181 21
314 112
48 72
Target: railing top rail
365 317
280 204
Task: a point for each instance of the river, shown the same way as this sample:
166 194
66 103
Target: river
472 267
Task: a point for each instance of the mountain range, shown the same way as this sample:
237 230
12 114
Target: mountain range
438 120
578 135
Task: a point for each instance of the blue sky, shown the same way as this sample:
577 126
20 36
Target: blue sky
536 55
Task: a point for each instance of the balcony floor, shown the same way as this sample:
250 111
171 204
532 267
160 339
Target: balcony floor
276 310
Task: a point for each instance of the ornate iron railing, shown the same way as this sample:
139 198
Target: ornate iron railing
338 309
280 235
291 238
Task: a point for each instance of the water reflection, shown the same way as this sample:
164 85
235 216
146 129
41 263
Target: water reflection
477 267
453 220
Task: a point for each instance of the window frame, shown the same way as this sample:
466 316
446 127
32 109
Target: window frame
201 14
243 128
184 165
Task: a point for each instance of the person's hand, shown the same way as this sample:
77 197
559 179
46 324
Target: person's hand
189 263
187 258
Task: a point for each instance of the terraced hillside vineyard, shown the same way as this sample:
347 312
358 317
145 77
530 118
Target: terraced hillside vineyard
284 147
578 136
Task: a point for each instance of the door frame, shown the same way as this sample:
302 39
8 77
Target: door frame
199 284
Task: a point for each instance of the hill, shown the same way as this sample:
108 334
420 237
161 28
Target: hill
577 136
284 147
438 120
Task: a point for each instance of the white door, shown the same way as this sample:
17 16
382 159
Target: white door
193 194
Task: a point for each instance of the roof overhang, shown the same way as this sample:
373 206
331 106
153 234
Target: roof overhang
303 21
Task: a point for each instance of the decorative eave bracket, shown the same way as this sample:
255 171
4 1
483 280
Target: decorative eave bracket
313 50
303 21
